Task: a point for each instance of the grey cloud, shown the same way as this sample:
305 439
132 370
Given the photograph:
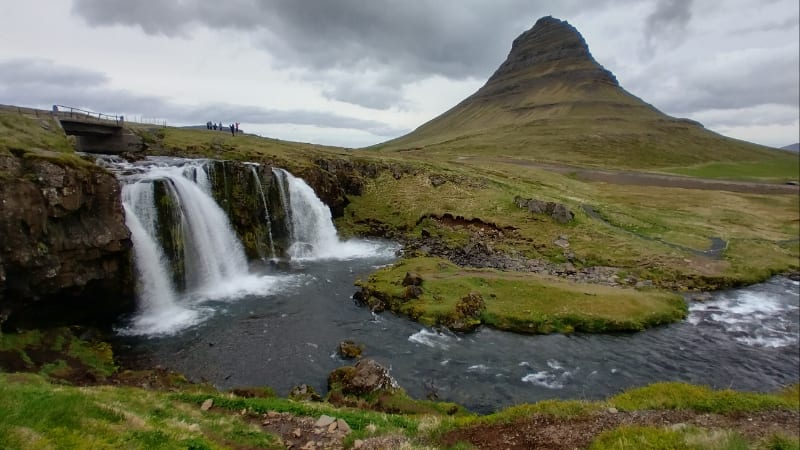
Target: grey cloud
30 73
415 40
667 23
41 83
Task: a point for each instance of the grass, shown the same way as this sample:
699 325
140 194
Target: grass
771 170
704 399
655 438
520 302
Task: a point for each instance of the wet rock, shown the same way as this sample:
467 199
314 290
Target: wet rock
304 392
350 349
365 377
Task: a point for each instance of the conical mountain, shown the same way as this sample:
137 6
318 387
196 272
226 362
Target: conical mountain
551 101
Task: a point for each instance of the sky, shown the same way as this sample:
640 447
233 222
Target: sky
354 73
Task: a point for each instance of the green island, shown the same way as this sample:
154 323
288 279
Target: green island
569 206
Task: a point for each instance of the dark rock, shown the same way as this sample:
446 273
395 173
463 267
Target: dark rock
412 292
366 377
65 252
412 279
349 349
561 214
472 305
304 392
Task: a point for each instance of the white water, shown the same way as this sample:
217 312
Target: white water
312 233
752 317
215 264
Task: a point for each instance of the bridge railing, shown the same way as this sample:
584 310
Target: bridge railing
71 111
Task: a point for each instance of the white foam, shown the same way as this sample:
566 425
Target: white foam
544 379
478 368
431 339
553 364
755 317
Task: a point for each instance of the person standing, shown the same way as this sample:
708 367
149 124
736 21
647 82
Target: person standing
237 127
232 133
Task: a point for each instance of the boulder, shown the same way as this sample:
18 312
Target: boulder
366 377
412 292
558 211
304 392
350 349
412 279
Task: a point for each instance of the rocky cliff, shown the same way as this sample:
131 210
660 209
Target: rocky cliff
65 251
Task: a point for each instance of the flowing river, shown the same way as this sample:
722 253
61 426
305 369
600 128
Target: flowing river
278 325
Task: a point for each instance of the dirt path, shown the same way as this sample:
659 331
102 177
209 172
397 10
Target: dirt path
658 180
545 432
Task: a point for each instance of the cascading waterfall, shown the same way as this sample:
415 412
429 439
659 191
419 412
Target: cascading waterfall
257 180
214 260
312 231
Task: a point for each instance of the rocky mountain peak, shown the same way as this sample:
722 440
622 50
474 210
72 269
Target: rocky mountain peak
552 48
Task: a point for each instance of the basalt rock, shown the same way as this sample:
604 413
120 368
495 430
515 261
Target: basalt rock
366 377
65 252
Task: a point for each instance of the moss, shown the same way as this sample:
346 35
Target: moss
523 303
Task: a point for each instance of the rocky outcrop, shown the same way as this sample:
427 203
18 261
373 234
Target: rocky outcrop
366 377
558 211
65 252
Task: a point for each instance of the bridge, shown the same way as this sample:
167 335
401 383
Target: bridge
97 132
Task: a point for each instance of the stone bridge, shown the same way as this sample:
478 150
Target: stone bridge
97 132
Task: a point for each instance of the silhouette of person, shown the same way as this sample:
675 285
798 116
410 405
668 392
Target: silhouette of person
232 133
237 127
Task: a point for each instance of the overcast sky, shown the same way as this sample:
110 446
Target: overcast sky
358 72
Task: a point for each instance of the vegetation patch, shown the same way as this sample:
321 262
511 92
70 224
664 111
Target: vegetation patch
518 302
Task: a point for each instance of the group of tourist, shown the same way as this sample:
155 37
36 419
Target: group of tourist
234 127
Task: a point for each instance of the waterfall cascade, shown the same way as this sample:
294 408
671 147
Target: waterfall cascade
187 252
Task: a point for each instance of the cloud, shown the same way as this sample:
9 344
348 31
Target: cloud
667 23
42 83
409 40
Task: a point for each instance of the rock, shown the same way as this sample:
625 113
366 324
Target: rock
304 392
561 214
412 279
324 421
297 432
472 305
332 427
561 243
342 426
350 349
65 251
412 292
207 404
358 443
273 414
613 410
365 377
437 180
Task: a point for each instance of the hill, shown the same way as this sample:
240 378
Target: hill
551 101
792 147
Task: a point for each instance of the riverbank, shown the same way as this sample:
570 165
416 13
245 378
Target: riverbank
107 406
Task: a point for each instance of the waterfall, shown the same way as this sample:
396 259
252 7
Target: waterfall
281 180
257 180
313 234
212 257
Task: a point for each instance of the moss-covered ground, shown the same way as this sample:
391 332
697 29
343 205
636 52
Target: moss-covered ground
519 302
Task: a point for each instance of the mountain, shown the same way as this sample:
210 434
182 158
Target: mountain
792 147
552 102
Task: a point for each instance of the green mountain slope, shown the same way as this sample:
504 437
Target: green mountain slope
550 101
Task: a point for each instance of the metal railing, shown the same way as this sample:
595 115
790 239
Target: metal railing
71 111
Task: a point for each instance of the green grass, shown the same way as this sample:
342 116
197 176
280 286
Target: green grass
703 399
36 414
521 302
689 438
773 170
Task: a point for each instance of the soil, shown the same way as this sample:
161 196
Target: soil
546 432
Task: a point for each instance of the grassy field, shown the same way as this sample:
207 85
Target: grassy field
773 170
521 302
